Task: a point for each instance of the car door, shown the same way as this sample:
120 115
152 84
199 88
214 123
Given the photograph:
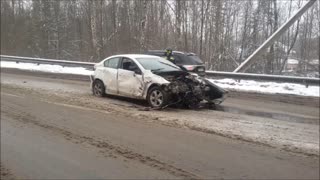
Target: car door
130 81
110 75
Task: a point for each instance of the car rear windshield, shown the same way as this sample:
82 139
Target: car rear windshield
196 59
188 60
157 64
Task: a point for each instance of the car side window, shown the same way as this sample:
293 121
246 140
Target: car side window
106 63
177 59
129 65
112 63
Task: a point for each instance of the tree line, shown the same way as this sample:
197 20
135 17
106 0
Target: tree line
222 32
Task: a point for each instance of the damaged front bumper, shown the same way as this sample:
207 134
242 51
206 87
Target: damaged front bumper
190 90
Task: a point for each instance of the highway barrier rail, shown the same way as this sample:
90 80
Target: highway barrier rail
18 59
212 74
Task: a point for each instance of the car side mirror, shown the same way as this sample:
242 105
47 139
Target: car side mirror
137 71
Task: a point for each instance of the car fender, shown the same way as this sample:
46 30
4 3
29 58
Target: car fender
150 79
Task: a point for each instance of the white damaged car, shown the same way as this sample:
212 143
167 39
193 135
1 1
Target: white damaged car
154 79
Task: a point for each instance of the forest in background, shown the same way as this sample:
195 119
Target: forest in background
222 32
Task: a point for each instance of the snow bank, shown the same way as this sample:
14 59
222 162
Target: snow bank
243 85
267 87
46 68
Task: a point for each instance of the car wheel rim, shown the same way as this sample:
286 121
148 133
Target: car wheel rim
156 98
97 89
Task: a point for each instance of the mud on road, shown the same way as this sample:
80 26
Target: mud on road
106 148
251 117
287 126
48 132
5 173
157 141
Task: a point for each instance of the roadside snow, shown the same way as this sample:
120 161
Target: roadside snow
243 85
267 87
291 136
46 68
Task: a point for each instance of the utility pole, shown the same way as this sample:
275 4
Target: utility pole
246 64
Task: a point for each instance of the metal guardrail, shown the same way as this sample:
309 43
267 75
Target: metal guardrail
38 61
213 74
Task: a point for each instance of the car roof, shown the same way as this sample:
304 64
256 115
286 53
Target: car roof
134 56
163 51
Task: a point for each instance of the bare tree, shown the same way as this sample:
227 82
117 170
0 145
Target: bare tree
222 33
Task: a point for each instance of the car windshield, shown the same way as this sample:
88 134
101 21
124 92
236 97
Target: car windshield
157 64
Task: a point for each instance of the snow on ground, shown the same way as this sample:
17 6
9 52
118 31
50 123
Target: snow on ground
243 85
292 136
46 68
267 87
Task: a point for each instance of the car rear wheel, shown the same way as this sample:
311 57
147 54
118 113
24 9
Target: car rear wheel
98 88
157 97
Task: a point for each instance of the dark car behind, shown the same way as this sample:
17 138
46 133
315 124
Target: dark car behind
187 61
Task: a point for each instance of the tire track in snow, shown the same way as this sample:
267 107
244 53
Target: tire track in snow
105 146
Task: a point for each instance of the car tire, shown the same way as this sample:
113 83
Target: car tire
98 88
157 97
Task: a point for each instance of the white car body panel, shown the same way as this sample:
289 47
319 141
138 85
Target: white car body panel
110 80
130 84
108 76
149 79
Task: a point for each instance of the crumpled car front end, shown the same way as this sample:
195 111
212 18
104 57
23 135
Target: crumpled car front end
190 89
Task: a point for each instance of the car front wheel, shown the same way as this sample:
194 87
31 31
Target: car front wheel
157 97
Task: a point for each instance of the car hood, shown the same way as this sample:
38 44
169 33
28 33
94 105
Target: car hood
171 75
150 77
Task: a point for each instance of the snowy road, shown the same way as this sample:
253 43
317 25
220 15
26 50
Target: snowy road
63 131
